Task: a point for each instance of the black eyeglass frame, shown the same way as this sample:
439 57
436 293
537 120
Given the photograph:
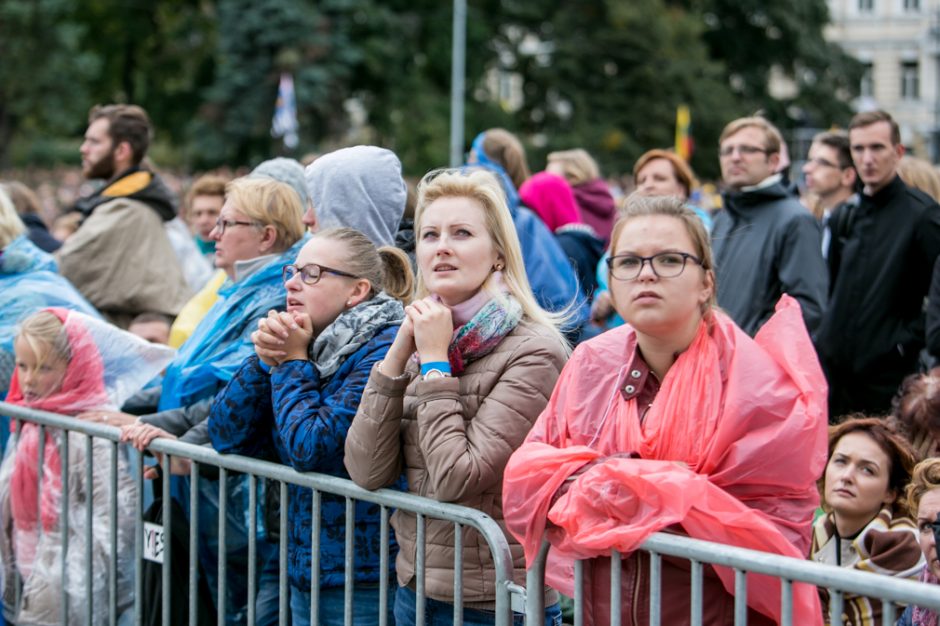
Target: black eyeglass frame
304 274
221 225
649 259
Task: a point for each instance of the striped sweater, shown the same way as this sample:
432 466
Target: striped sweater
887 545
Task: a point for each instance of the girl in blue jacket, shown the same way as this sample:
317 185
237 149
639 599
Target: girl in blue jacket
293 401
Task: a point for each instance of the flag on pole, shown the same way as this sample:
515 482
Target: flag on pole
684 143
284 124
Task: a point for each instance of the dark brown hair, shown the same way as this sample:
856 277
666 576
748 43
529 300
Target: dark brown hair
899 452
867 118
917 405
126 122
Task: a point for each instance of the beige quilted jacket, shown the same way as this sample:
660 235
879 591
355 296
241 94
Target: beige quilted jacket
453 437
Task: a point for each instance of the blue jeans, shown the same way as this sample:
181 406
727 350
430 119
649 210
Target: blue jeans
365 606
437 613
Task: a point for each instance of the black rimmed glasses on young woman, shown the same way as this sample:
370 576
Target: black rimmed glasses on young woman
664 264
310 274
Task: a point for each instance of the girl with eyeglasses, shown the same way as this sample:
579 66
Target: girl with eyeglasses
294 399
675 421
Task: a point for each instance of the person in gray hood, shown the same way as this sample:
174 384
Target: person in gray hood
359 187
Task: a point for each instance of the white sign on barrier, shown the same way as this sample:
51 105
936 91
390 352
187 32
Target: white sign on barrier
153 542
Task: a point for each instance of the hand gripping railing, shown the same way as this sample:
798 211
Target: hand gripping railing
387 499
838 580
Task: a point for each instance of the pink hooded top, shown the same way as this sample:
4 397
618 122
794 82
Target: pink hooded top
550 196
747 418
82 389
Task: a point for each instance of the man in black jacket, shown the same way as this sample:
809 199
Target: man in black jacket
766 244
883 255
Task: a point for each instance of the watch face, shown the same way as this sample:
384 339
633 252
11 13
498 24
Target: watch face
434 374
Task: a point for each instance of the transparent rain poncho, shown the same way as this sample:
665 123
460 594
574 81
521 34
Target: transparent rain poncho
99 366
29 282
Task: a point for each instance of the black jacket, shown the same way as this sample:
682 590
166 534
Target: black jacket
39 234
882 259
767 244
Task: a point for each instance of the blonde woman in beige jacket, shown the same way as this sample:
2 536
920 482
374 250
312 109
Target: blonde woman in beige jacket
470 370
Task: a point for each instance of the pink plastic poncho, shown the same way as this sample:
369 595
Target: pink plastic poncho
747 417
82 389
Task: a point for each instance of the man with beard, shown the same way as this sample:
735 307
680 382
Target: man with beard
121 258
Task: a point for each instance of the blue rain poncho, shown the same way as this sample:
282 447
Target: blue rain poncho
222 340
550 273
29 282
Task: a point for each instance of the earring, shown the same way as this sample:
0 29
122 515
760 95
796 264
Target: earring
498 267
349 303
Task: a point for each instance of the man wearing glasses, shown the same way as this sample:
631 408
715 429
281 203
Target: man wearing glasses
766 244
873 330
830 177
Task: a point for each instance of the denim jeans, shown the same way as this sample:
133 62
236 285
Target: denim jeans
365 606
437 613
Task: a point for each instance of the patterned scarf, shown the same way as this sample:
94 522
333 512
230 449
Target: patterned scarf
352 330
921 616
477 338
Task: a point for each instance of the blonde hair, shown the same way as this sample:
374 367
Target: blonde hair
11 226
505 149
45 335
270 203
772 137
387 268
577 165
483 188
920 174
926 477
670 206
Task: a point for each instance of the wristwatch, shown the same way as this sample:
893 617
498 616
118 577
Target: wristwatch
436 373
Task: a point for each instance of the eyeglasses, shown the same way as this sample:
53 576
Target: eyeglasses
823 163
310 274
745 150
664 264
221 224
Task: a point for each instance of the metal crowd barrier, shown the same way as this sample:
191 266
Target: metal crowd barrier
699 553
387 499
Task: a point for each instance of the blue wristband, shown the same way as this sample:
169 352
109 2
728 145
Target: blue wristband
442 366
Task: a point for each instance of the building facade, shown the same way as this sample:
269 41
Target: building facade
899 43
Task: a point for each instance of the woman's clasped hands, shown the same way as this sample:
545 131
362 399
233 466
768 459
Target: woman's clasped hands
282 336
427 329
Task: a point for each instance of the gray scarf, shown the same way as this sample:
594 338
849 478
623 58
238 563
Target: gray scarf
353 329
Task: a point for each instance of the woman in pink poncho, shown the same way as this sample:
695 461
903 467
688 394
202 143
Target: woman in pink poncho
677 421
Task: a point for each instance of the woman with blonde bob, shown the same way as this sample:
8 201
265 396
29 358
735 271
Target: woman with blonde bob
923 496
466 377
677 419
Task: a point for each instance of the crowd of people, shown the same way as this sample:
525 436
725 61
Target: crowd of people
581 366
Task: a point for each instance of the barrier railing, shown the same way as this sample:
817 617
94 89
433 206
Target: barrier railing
699 553
255 469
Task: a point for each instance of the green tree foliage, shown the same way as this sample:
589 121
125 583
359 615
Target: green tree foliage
752 37
608 76
605 75
45 73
